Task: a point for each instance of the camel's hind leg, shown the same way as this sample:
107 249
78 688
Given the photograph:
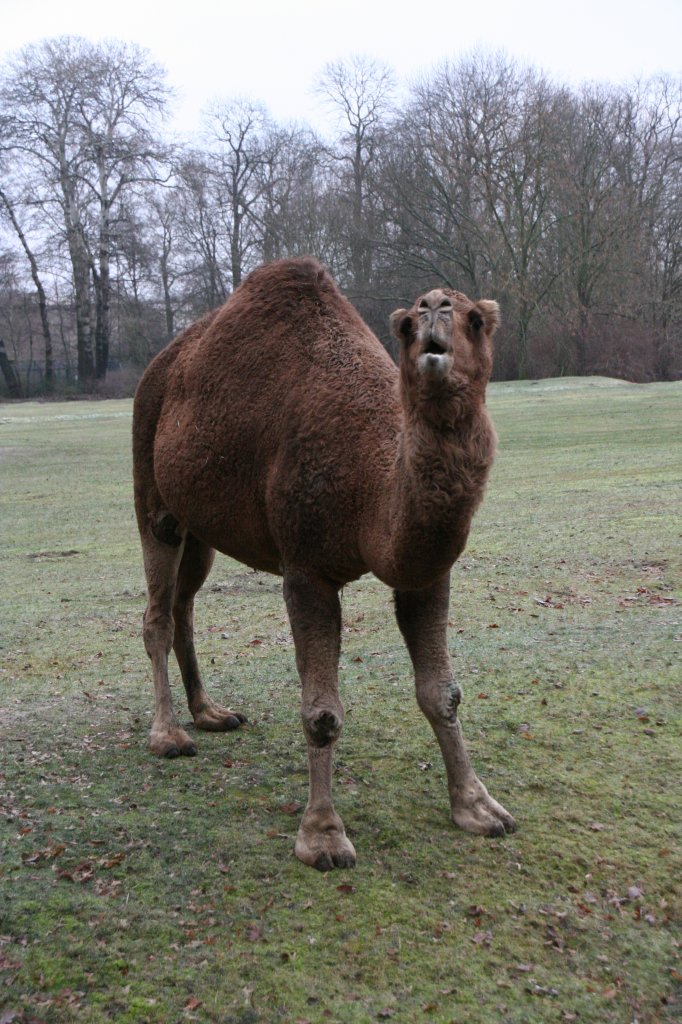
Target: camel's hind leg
315 616
163 550
423 617
197 559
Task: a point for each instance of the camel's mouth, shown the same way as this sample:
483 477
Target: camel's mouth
434 348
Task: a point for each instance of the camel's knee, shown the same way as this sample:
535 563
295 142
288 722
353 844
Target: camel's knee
322 723
439 701
165 528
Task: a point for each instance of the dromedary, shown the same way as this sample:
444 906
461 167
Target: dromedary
278 431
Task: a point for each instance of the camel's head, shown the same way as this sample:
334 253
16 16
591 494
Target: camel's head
446 337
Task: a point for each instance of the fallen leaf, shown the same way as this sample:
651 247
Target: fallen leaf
38 856
293 807
193 1003
112 860
346 888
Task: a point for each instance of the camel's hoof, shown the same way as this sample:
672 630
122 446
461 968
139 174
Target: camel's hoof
215 719
484 817
186 750
325 850
174 744
328 861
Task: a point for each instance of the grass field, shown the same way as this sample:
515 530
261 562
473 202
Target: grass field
134 889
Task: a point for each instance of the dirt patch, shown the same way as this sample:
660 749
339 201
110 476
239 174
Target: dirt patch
248 583
53 554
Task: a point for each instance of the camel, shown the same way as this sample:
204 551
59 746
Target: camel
278 431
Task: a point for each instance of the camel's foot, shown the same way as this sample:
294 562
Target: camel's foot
171 742
474 810
324 847
213 718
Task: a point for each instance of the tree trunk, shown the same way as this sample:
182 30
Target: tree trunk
102 283
103 277
80 266
9 373
235 240
167 304
42 300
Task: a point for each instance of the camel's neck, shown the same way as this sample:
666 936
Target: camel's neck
427 502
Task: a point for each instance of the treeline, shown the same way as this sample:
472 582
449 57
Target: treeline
565 205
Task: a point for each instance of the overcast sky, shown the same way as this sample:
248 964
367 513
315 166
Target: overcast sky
273 50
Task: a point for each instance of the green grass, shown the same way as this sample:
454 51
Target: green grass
134 890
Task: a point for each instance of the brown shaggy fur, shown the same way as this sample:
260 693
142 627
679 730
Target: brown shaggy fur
278 431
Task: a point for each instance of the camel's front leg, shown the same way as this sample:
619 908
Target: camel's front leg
423 617
315 616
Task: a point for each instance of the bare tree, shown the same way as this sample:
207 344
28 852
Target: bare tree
360 92
7 205
122 93
472 198
201 233
238 130
80 116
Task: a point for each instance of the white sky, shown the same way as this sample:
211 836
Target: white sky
273 50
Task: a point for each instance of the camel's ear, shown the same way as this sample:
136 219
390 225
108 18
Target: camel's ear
401 325
486 314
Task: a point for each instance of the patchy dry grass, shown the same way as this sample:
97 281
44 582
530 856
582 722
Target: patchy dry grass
136 890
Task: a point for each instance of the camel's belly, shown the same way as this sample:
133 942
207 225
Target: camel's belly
249 511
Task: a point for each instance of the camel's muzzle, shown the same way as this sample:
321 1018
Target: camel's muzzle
434 365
